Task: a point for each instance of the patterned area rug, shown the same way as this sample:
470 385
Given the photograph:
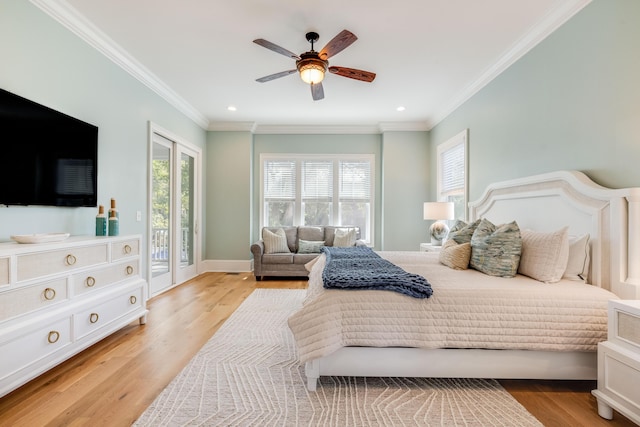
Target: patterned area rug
247 374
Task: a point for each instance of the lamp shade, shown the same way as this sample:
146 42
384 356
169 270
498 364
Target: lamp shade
438 210
312 73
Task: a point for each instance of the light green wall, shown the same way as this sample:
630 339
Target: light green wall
233 185
44 62
405 173
228 195
314 144
572 102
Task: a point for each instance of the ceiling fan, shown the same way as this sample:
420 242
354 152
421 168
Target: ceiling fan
313 65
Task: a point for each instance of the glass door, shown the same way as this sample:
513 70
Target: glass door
185 207
174 219
161 218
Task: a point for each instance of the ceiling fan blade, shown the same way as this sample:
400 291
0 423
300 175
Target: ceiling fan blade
276 48
352 73
317 92
338 44
275 76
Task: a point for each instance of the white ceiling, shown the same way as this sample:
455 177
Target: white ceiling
429 55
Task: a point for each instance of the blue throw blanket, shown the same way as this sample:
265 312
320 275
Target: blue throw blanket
361 268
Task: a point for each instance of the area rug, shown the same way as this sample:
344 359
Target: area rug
248 374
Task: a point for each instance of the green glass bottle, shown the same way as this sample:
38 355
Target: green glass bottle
114 226
101 222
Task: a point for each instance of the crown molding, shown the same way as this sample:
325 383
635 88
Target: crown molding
257 128
69 17
232 126
404 126
536 34
66 15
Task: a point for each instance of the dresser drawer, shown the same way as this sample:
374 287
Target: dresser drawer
125 249
98 278
88 321
30 298
44 263
624 323
4 271
619 375
20 352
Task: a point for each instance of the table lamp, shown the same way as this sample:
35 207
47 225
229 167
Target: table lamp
438 211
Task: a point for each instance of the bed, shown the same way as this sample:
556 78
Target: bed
479 326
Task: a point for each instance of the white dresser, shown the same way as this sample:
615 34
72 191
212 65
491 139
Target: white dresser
56 299
619 362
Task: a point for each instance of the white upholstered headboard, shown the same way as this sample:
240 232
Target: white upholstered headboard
550 201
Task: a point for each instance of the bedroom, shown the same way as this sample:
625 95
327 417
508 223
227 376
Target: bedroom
592 61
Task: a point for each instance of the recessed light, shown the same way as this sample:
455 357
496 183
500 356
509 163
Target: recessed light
231 108
400 108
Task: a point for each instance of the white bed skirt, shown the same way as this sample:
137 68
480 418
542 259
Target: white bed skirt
452 363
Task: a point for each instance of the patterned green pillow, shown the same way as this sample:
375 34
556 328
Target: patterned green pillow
461 232
310 246
496 250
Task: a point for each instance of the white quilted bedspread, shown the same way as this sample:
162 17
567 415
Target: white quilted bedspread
468 309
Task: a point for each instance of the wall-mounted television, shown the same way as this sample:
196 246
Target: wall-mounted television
46 157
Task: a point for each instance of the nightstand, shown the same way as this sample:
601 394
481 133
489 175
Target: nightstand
619 362
428 247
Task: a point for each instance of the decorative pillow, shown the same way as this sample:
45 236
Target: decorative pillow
310 246
495 250
344 238
455 255
544 255
579 259
461 232
275 243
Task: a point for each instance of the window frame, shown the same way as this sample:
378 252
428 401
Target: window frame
455 141
335 159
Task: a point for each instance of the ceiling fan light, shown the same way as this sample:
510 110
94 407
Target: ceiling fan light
312 73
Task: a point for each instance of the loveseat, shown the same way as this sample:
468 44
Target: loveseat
284 251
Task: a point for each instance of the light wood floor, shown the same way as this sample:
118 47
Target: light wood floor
112 382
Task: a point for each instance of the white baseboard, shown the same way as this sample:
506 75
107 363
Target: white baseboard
226 266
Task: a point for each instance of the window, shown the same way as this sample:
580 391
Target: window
452 173
318 190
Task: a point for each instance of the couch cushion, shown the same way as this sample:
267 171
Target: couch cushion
345 237
290 232
275 242
304 258
310 233
277 258
310 246
330 233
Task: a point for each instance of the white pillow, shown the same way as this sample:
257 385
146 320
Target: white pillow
578 263
275 243
344 238
544 255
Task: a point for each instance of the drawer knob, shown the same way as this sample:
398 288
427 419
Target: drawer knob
93 317
53 337
49 294
90 281
133 299
70 259
129 269
127 249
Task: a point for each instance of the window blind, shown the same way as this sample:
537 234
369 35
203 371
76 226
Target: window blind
317 180
280 180
452 171
355 180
